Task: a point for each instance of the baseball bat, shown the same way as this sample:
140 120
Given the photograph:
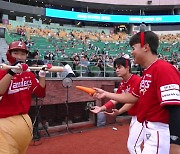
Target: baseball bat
37 68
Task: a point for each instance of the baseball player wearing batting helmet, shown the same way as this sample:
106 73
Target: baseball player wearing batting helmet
17 87
16 45
130 81
159 96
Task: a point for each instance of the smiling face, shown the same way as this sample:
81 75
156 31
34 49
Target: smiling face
19 55
138 53
142 53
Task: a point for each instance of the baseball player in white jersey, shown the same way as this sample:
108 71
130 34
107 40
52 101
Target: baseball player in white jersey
158 94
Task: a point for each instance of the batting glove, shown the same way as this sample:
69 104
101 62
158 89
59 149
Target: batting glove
42 73
21 68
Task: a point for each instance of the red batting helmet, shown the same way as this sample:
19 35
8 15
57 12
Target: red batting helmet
16 45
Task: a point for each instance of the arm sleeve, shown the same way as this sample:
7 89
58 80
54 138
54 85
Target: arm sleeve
168 85
119 90
2 74
37 89
40 91
135 89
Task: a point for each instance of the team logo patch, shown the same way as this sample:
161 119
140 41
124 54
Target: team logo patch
148 136
20 44
127 90
148 75
170 92
170 95
170 87
174 138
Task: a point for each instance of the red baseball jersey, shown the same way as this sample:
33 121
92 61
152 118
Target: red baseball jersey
17 98
127 87
159 87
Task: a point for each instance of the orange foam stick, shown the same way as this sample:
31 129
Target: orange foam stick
90 91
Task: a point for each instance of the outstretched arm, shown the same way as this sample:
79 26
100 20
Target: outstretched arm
126 98
97 109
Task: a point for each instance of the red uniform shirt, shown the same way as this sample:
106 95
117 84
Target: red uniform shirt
17 98
127 87
159 86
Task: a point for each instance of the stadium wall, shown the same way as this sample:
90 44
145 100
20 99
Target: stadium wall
54 105
56 93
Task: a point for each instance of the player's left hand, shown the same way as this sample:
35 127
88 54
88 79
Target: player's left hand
42 73
95 109
46 67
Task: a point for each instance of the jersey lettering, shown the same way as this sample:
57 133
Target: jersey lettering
19 86
144 85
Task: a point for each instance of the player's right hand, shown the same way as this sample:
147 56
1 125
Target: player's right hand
99 93
21 67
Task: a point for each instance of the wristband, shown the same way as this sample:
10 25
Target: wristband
11 72
109 105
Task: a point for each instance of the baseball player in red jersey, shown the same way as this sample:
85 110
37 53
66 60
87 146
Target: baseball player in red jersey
123 69
159 96
17 87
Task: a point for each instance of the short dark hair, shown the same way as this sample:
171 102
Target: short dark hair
149 38
122 61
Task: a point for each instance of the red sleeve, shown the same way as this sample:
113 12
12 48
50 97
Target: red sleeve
135 83
37 89
2 74
168 85
135 89
119 91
